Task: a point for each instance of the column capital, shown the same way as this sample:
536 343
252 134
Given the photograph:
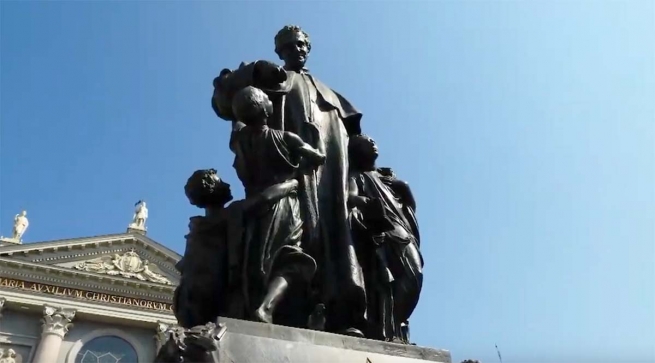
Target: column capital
163 331
2 305
57 320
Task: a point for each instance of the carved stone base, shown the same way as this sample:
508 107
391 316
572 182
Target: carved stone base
133 228
250 342
9 240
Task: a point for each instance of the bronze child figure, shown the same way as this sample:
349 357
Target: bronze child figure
266 158
387 239
203 291
212 265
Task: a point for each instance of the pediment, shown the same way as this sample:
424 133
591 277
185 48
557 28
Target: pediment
123 256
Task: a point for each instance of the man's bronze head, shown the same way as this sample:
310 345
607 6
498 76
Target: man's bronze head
292 45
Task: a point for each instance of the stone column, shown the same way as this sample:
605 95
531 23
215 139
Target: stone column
161 336
56 322
2 305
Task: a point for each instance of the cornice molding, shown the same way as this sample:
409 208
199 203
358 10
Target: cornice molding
126 315
161 251
28 341
83 253
64 244
112 247
107 284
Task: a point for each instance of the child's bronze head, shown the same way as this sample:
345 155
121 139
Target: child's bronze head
206 189
362 151
252 106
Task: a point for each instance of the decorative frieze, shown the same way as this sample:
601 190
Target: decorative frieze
7 356
128 265
57 320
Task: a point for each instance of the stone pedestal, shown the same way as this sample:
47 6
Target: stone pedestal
9 241
250 342
133 228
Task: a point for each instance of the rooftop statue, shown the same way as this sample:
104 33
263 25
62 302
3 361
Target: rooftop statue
20 225
140 215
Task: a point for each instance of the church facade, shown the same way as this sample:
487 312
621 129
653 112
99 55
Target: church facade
101 299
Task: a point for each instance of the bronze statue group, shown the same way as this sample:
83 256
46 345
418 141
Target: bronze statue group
324 239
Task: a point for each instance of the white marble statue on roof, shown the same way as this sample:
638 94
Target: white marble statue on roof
20 225
140 215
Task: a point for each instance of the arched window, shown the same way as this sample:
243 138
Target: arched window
107 349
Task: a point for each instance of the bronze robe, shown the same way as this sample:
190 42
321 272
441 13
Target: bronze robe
210 282
272 243
388 247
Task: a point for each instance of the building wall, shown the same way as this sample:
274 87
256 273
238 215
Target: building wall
42 293
21 327
20 331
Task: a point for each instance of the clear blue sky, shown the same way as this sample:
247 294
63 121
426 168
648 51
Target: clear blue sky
526 128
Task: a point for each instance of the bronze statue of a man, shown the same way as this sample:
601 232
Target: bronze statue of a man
323 119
